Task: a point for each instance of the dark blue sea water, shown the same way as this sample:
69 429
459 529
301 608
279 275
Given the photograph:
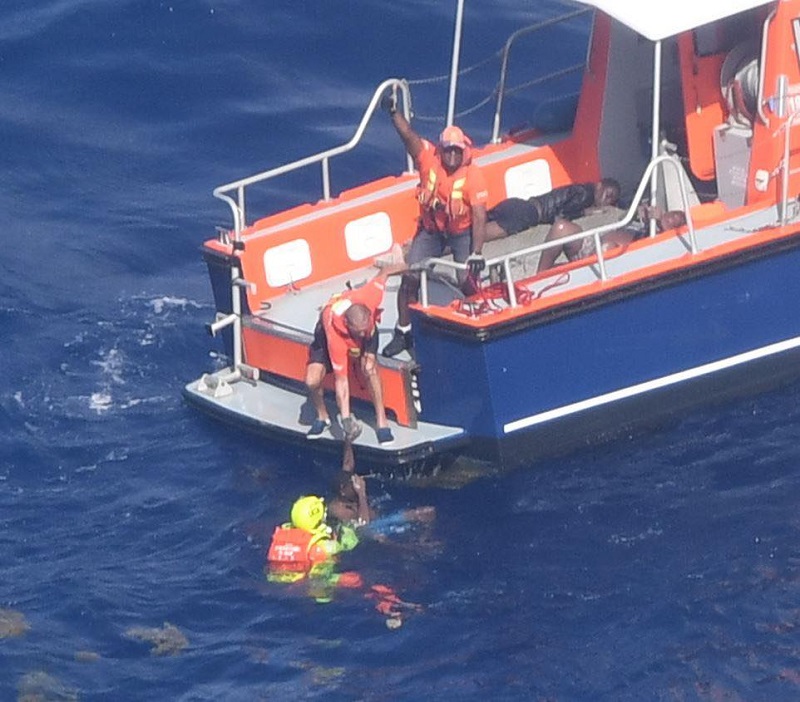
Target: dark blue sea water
662 567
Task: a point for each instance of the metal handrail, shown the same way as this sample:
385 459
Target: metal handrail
233 193
501 88
595 233
762 67
237 205
784 202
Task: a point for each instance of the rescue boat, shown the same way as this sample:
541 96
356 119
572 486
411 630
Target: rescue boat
693 110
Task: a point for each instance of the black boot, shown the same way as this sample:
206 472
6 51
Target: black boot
401 341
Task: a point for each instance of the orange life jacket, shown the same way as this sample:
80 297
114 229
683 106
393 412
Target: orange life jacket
443 211
296 547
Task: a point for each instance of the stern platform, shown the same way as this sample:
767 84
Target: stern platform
277 412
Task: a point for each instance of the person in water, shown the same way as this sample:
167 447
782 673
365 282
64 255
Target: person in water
350 506
582 248
306 548
347 327
452 195
514 214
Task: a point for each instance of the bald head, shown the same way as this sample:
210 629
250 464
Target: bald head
358 321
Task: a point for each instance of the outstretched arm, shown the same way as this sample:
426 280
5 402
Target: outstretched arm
360 487
391 269
341 384
411 140
349 459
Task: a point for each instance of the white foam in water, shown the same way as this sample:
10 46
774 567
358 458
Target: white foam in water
100 401
159 304
624 540
87 468
111 366
79 339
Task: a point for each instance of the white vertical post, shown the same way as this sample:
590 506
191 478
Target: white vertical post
656 133
451 99
236 309
326 179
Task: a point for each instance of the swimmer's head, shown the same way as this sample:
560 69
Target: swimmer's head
308 512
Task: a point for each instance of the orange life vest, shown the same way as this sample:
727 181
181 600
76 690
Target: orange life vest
443 211
296 547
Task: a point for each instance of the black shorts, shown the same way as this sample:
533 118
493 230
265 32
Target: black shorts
514 215
318 348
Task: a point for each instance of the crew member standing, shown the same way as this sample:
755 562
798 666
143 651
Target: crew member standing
452 196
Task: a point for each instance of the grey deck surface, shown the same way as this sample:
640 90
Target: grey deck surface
662 250
271 406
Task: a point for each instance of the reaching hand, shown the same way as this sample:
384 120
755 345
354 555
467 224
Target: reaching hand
475 264
389 102
351 427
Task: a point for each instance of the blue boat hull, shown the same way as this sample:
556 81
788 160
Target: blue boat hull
609 363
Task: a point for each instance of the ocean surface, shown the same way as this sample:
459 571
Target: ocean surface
133 530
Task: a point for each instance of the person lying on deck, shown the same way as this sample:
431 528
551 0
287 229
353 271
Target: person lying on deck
513 215
347 327
582 248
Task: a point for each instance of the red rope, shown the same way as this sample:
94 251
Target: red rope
486 298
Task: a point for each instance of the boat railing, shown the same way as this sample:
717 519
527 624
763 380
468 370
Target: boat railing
763 67
502 91
596 233
233 194
786 172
